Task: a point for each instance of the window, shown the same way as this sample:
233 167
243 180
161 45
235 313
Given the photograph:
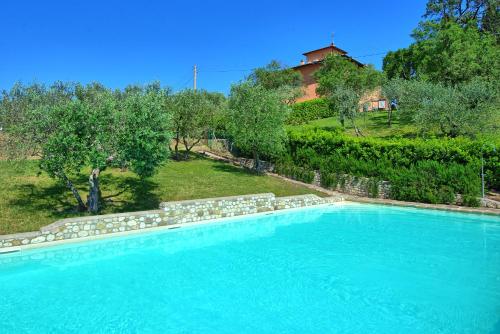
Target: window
381 104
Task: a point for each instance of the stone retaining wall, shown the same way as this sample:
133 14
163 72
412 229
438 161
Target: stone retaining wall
358 186
170 213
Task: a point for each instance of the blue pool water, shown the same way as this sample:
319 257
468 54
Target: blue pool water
335 269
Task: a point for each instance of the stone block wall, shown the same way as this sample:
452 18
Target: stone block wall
265 166
170 213
358 186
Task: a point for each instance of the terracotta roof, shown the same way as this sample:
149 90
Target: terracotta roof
331 46
308 64
360 64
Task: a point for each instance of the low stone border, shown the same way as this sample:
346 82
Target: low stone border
170 213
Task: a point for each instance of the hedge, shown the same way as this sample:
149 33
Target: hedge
303 112
310 145
419 170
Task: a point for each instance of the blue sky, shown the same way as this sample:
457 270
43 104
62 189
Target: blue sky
123 42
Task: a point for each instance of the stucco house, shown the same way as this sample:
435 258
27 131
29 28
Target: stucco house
314 59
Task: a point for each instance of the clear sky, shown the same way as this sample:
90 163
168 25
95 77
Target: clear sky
118 42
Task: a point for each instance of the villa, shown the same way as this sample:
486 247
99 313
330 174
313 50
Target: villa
314 59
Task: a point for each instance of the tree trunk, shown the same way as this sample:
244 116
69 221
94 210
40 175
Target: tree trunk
356 129
176 146
94 198
256 164
189 147
76 194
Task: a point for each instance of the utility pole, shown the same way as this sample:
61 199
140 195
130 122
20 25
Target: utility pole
195 73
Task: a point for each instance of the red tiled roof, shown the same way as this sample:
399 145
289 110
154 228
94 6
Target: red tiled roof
331 46
360 64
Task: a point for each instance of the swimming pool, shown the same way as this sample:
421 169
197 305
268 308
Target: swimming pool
350 268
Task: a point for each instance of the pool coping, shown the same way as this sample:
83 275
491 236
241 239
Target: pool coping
442 207
48 244
392 202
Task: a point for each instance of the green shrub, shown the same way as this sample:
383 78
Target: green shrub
372 187
371 157
433 182
431 171
303 112
288 169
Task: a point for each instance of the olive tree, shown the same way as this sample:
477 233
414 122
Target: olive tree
464 109
194 114
69 127
256 120
276 76
343 82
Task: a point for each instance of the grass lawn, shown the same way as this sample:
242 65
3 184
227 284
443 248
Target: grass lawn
29 201
372 124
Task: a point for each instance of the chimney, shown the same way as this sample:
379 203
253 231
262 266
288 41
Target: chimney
302 62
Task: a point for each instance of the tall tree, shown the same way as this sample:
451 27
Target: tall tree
456 43
463 12
256 120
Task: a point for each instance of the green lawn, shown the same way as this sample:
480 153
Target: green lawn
372 124
29 201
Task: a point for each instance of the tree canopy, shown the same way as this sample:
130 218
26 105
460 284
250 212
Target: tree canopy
451 54
344 83
256 120
70 126
457 42
194 114
275 76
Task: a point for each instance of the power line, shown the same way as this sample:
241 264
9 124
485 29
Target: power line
223 71
251 69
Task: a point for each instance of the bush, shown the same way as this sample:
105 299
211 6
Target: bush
303 112
433 182
431 171
371 157
288 169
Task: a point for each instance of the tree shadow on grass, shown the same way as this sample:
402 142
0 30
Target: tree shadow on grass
130 194
122 194
55 201
228 168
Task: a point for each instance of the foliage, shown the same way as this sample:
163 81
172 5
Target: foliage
483 14
306 111
256 120
446 52
344 83
452 111
288 169
142 130
390 159
340 71
30 199
434 182
194 114
275 76
70 127
400 64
